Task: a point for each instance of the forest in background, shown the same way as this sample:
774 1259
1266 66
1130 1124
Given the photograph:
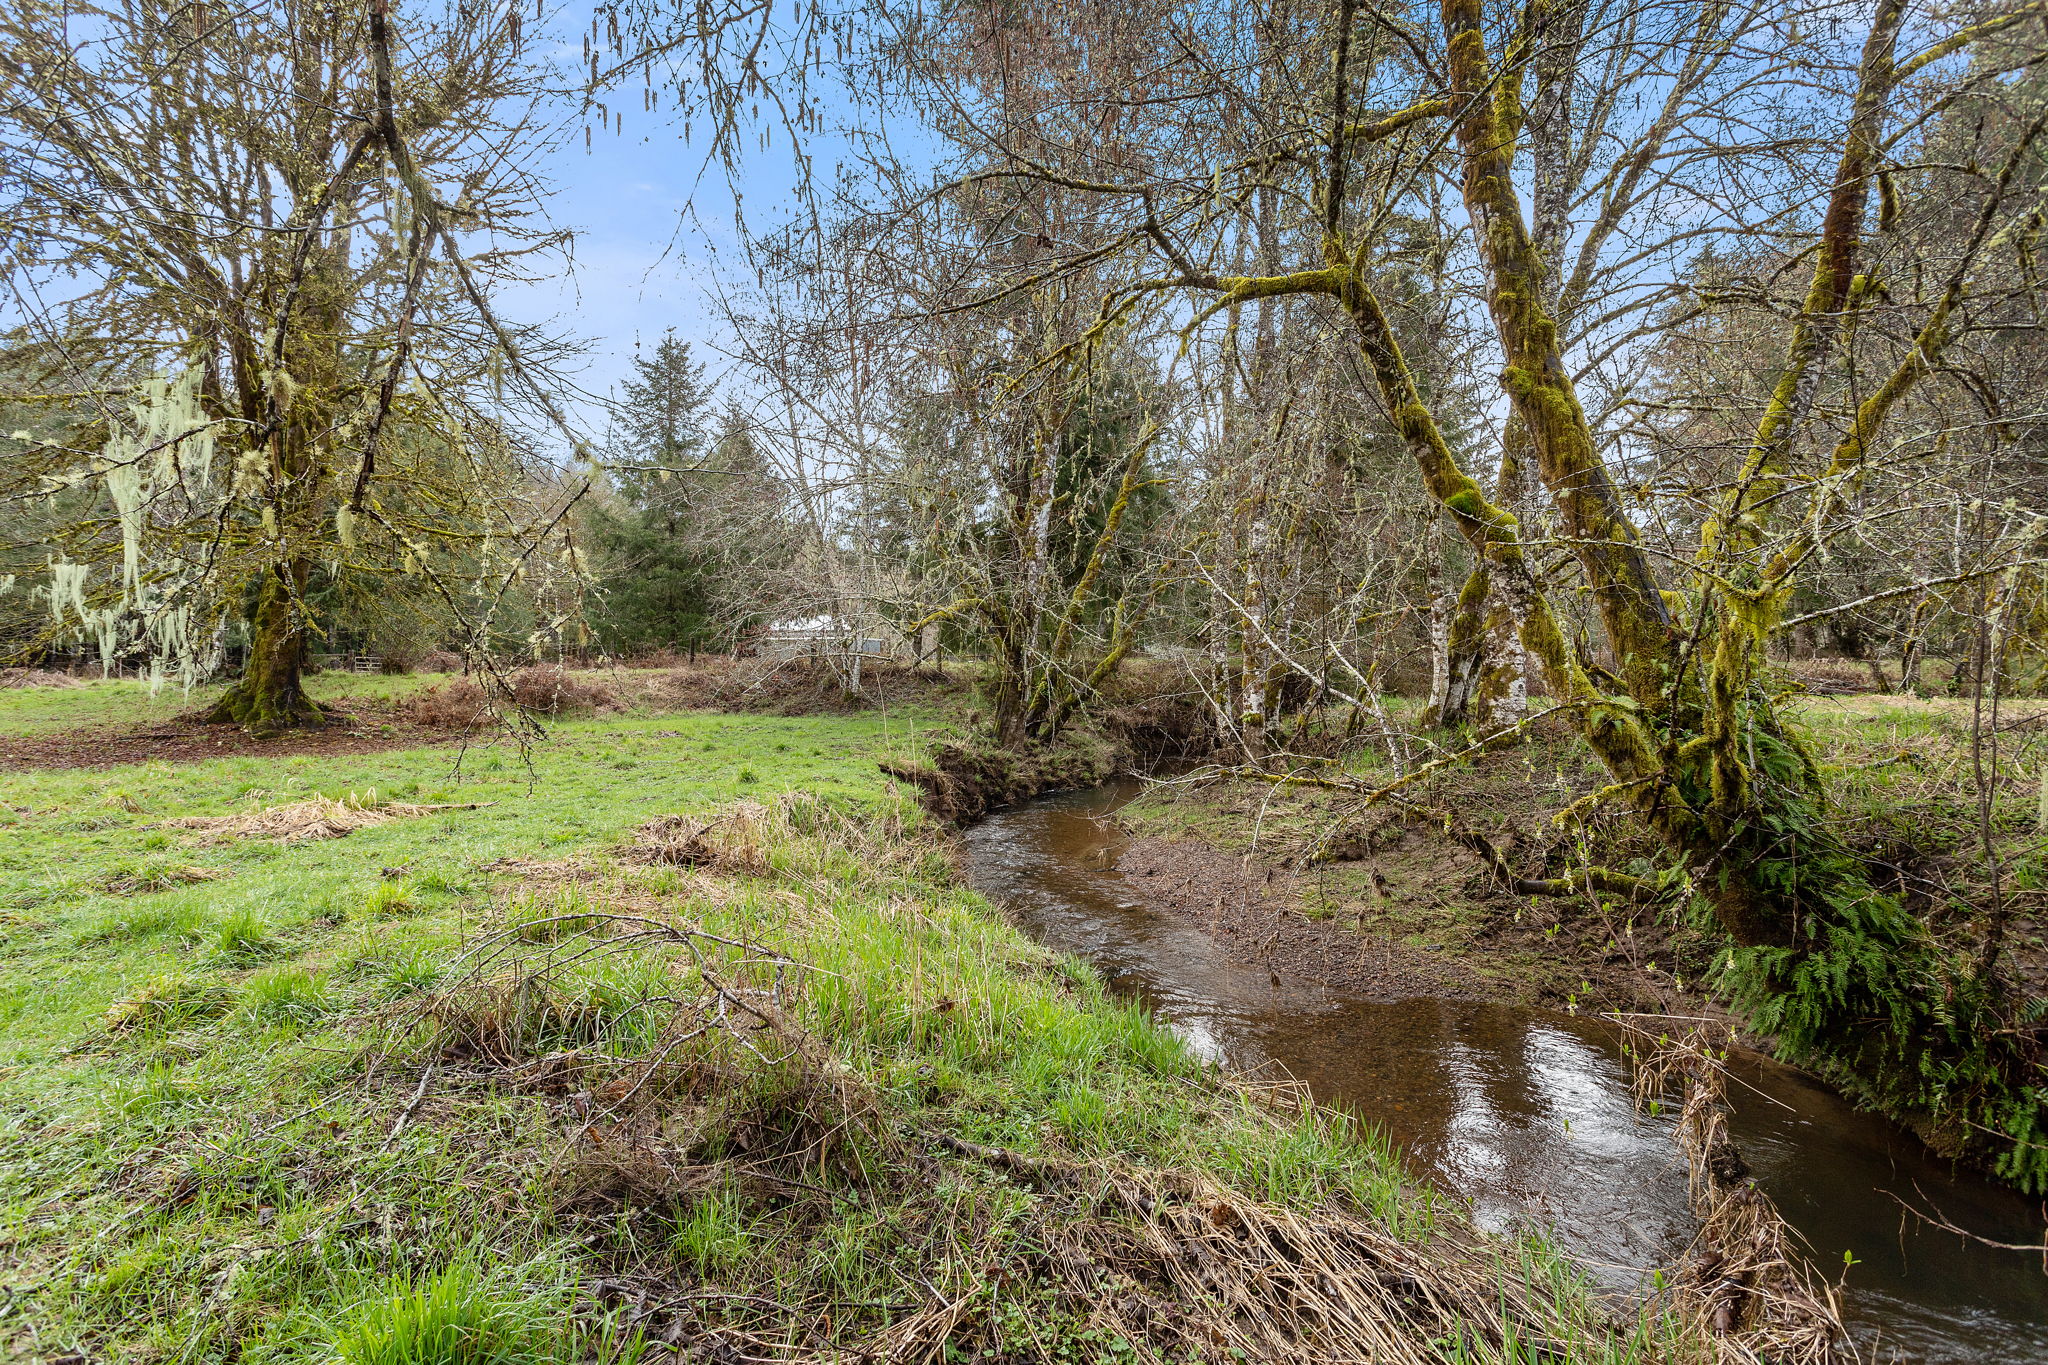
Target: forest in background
1613 365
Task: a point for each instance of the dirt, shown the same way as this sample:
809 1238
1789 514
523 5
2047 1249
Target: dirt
1252 908
1394 907
190 739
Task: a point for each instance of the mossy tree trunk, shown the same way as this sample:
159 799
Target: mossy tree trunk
298 409
1457 674
270 697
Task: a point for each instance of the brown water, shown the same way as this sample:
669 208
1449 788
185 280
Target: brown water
1526 1113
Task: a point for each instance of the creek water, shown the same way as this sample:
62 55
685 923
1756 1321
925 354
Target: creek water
1526 1113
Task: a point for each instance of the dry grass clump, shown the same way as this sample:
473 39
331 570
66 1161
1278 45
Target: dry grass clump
734 840
543 690
318 817
37 677
141 879
1195 1270
164 1001
1744 1281
511 1019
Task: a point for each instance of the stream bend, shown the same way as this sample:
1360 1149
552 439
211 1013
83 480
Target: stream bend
1525 1113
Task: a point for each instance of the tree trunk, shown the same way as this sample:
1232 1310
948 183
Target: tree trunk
1252 657
1914 649
1465 654
271 696
1439 627
1502 692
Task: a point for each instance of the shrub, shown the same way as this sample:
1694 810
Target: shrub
450 706
552 691
543 689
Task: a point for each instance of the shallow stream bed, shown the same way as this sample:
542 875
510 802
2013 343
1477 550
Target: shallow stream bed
1526 1114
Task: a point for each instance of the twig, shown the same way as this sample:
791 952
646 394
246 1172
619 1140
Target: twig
405 1114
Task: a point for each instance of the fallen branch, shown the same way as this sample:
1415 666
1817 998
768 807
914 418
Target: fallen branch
411 1106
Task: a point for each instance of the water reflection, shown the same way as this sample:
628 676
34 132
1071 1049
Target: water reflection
1527 1114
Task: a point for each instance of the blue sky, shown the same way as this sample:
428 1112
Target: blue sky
641 264
654 229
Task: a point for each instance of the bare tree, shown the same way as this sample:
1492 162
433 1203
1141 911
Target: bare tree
254 250
1682 590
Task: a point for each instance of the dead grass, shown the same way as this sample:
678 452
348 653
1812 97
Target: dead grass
732 841
1745 1281
37 677
542 690
166 1000
777 686
136 881
318 817
1830 677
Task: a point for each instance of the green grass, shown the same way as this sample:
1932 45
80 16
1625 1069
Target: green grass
286 1115
456 1316
129 702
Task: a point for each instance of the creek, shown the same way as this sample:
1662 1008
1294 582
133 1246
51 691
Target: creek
1525 1114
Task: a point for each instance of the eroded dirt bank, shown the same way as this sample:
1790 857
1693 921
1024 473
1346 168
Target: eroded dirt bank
1350 925
1254 910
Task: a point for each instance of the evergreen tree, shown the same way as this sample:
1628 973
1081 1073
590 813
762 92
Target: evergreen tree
687 550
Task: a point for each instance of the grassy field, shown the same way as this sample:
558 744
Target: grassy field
672 1038
48 710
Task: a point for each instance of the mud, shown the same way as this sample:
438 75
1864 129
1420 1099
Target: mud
1252 910
1389 886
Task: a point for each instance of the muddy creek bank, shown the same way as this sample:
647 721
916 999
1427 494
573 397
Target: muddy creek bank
1525 1113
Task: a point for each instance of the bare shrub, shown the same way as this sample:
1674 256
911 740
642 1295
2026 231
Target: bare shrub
457 705
554 691
543 690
